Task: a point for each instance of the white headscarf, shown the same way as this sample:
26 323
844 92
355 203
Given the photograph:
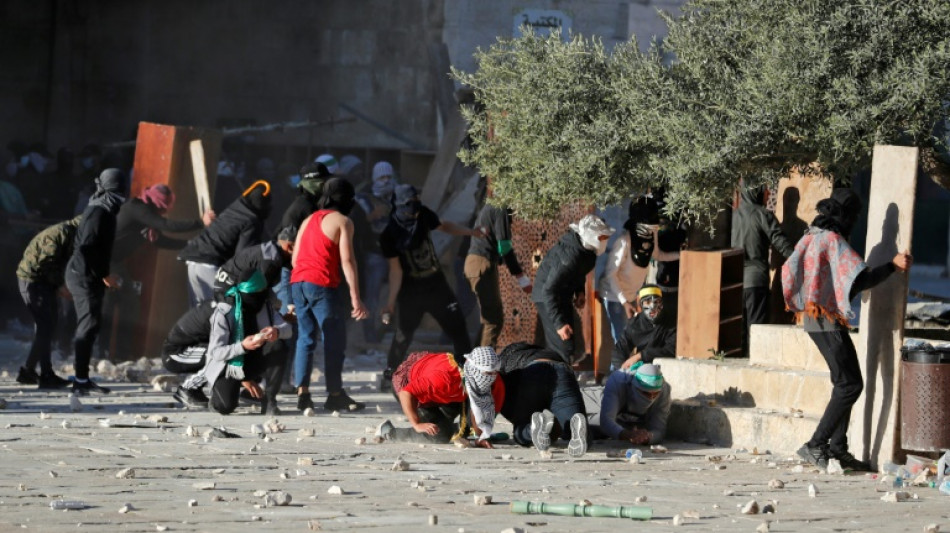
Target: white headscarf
478 385
590 228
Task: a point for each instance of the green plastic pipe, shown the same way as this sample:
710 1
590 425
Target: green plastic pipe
570 509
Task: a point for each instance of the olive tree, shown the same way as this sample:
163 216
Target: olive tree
753 89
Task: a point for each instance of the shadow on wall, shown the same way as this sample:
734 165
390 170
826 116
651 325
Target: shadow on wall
879 359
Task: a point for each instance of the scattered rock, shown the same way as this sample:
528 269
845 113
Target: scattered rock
584 503
506 457
21 487
752 507
412 504
336 490
719 467
53 474
305 461
126 508
834 468
308 412
433 520
692 514
812 490
158 419
66 424
776 484
314 525
204 485
379 409
192 432
768 509
677 520
192 503
276 499
74 404
306 432
125 473
763 528
161 528
482 499
360 441
257 429
728 492
165 382
274 426
640 499
105 367
217 498
44 416
798 469
378 440
659 448
300 473
932 528
895 497
335 414
509 530
256 518
714 458
546 454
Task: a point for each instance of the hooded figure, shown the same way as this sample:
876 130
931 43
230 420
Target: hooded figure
559 284
384 180
648 335
820 279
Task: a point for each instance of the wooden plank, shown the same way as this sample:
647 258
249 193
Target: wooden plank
875 424
200 172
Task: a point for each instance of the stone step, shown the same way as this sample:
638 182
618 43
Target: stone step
739 427
738 383
786 347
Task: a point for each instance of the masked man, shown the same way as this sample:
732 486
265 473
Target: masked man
648 335
433 391
633 406
559 285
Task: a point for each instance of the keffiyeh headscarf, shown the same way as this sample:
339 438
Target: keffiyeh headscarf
256 283
478 375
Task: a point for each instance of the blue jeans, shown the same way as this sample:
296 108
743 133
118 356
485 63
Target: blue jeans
376 270
538 386
319 309
617 318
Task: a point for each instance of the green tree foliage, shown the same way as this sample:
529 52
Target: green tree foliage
756 87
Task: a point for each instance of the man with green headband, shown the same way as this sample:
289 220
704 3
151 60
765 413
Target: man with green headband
633 406
245 346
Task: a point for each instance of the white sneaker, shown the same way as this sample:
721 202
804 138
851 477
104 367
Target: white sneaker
542 423
577 447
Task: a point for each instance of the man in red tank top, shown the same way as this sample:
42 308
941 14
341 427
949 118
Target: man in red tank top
324 247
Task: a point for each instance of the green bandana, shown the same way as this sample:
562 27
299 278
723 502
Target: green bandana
648 377
256 283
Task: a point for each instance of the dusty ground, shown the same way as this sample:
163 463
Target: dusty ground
48 452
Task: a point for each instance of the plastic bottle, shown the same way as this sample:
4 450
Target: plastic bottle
65 505
942 465
633 452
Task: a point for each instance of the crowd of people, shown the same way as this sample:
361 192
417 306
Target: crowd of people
263 298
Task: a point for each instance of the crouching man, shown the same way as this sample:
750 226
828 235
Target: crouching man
185 351
633 406
432 392
544 400
245 346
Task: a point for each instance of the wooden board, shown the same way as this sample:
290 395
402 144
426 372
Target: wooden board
874 431
710 303
162 155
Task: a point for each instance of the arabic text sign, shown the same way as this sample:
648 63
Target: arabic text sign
542 21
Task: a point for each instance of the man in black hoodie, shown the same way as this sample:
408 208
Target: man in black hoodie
87 273
559 283
754 229
239 226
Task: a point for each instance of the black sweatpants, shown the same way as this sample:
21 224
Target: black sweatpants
87 298
434 296
40 299
267 364
755 310
564 348
184 359
838 350
442 415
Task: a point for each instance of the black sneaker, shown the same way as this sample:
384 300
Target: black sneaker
191 398
27 376
84 388
342 402
269 407
304 401
817 456
852 463
386 382
52 381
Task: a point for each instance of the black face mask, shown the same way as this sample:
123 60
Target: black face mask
408 211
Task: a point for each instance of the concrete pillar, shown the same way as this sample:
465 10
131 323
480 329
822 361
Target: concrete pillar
875 425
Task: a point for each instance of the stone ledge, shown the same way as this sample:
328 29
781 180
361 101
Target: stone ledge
739 427
737 383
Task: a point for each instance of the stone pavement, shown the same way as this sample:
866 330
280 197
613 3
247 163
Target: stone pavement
182 482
